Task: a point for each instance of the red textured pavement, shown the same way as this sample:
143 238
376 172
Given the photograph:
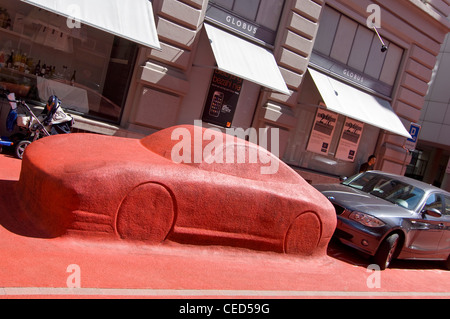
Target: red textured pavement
33 267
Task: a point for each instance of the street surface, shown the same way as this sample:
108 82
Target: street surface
94 268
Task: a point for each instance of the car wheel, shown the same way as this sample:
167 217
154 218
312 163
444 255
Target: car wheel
303 235
146 214
386 251
20 148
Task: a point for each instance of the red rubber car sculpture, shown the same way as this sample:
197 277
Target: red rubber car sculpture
132 189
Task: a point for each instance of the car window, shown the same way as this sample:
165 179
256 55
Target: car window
358 181
249 161
236 158
434 201
447 206
387 188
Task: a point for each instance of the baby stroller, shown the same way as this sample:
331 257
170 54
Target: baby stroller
53 120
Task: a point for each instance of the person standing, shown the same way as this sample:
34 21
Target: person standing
369 165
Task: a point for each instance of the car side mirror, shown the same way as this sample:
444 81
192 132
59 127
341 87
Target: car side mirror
433 212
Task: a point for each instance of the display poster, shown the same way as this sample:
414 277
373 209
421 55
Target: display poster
349 141
322 131
222 99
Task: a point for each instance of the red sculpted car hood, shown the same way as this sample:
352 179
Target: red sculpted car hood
80 152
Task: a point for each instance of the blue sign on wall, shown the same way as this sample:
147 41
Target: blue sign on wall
414 132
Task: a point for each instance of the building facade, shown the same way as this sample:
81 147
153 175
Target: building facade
208 68
431 159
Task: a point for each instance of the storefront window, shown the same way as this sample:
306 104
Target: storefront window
88 69
418 165
256 18
356 51
322 141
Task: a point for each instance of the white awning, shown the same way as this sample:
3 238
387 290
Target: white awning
245 59
134 22
356 104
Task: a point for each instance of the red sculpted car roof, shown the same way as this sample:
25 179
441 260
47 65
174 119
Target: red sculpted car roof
212 150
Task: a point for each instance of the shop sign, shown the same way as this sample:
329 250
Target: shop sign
357 77
350 75
349 141
232 21
322 131
222 98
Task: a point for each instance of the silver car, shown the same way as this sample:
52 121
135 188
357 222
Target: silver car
390 216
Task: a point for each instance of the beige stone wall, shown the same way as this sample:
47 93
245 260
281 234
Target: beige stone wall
163 76
174 84
423 30
419 30
170 85
293 49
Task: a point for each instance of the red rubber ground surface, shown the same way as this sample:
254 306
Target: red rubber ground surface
33 267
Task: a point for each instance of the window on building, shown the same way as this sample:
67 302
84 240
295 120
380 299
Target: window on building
256 18
297 153
417 167
88 69
354 45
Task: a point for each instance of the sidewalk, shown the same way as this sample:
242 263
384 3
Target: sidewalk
75 267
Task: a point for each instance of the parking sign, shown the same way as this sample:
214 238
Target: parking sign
414 130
